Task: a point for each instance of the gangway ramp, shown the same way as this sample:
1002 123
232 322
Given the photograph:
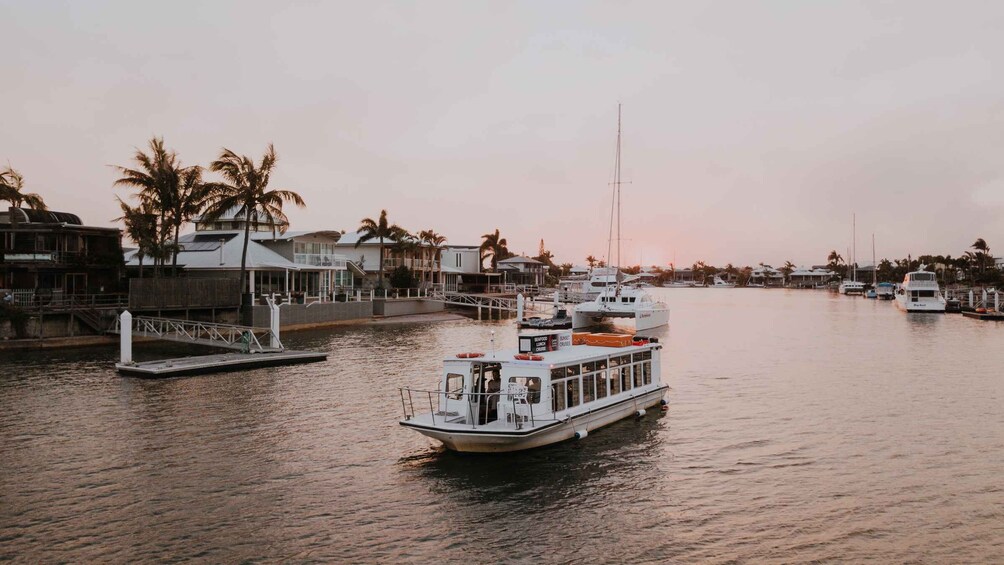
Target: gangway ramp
242 338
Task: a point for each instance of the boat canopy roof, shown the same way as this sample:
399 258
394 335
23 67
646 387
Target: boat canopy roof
564 356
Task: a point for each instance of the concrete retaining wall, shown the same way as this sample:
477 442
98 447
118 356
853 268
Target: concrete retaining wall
313 314
405 307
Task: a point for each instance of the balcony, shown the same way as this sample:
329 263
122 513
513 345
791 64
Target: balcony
320 260
413 264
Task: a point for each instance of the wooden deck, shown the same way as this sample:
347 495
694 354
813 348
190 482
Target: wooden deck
224 362
989 316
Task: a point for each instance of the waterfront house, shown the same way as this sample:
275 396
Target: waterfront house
461 270
417 256
685 275
810 277
766 276
51 254
296 265
522 271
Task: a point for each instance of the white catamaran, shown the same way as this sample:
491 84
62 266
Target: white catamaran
617 300
546 391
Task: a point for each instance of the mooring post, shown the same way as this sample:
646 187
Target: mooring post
519 307
479 313
125 337
273 308
997 301
970 298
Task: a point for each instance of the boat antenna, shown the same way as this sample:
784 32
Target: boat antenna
874 264
854 256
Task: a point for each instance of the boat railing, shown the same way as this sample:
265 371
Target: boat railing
514 396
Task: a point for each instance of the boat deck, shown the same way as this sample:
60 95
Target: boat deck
987 316
205 364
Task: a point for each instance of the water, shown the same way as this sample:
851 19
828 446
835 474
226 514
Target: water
803 426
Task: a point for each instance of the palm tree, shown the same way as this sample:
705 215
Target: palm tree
245 194
436 241
186 204
157 177
141 227
982 252
11 187
381 230
787 269
494 247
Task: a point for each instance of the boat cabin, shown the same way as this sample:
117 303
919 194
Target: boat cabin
513 388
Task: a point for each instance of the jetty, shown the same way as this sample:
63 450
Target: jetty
256 347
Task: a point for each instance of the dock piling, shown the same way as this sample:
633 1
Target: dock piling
125 337
519 307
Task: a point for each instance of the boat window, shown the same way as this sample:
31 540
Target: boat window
573 392
615 361
637 374
601 364
571 370
925 293
643 355
601 385
588 388
557 373
922 277
647 372
625 378
454 386
615 381
558 396
532 385
625 359
589 367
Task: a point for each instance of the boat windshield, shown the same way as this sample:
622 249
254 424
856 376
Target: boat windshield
922 276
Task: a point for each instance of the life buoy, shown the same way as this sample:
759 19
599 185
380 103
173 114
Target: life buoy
471 355
527 357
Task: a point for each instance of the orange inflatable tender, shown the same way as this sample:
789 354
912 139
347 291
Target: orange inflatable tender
579 338
609 340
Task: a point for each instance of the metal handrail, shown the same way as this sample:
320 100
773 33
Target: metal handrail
468 397
220 335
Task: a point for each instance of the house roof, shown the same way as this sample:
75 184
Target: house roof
515 260
201 250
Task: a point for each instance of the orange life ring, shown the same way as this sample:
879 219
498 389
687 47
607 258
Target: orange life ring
471 355
528 357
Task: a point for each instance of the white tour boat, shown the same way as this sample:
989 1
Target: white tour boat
622 302
851 287
546 391
920 293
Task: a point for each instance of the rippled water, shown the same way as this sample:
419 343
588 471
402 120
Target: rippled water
803 426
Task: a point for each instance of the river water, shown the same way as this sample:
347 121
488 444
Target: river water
803 426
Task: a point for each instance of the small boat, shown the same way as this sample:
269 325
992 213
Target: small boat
851 287
559 321
871 293
920 293
885 291
719 283
552 388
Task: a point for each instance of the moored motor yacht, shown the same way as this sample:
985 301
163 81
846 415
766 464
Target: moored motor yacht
548 390
622 302
851 287
885 291
920 293
719 283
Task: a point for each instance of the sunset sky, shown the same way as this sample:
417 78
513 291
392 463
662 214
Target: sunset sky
752 130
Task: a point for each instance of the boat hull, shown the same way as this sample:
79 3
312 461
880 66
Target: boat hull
936 306
486 441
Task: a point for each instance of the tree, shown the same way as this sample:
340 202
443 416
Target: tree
566 269
185 204
982 252
494 247
787 269
12 190
141 228
591 261
435 241
381 230
157 177
245 194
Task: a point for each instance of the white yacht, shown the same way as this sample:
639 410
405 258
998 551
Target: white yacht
851 287
920 293
584 289
719 283
622 302
546 391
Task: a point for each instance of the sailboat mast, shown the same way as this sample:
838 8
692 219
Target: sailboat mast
854 255
874 264
617 187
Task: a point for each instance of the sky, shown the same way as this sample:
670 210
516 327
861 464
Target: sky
752 131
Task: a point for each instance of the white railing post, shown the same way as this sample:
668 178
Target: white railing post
273 308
